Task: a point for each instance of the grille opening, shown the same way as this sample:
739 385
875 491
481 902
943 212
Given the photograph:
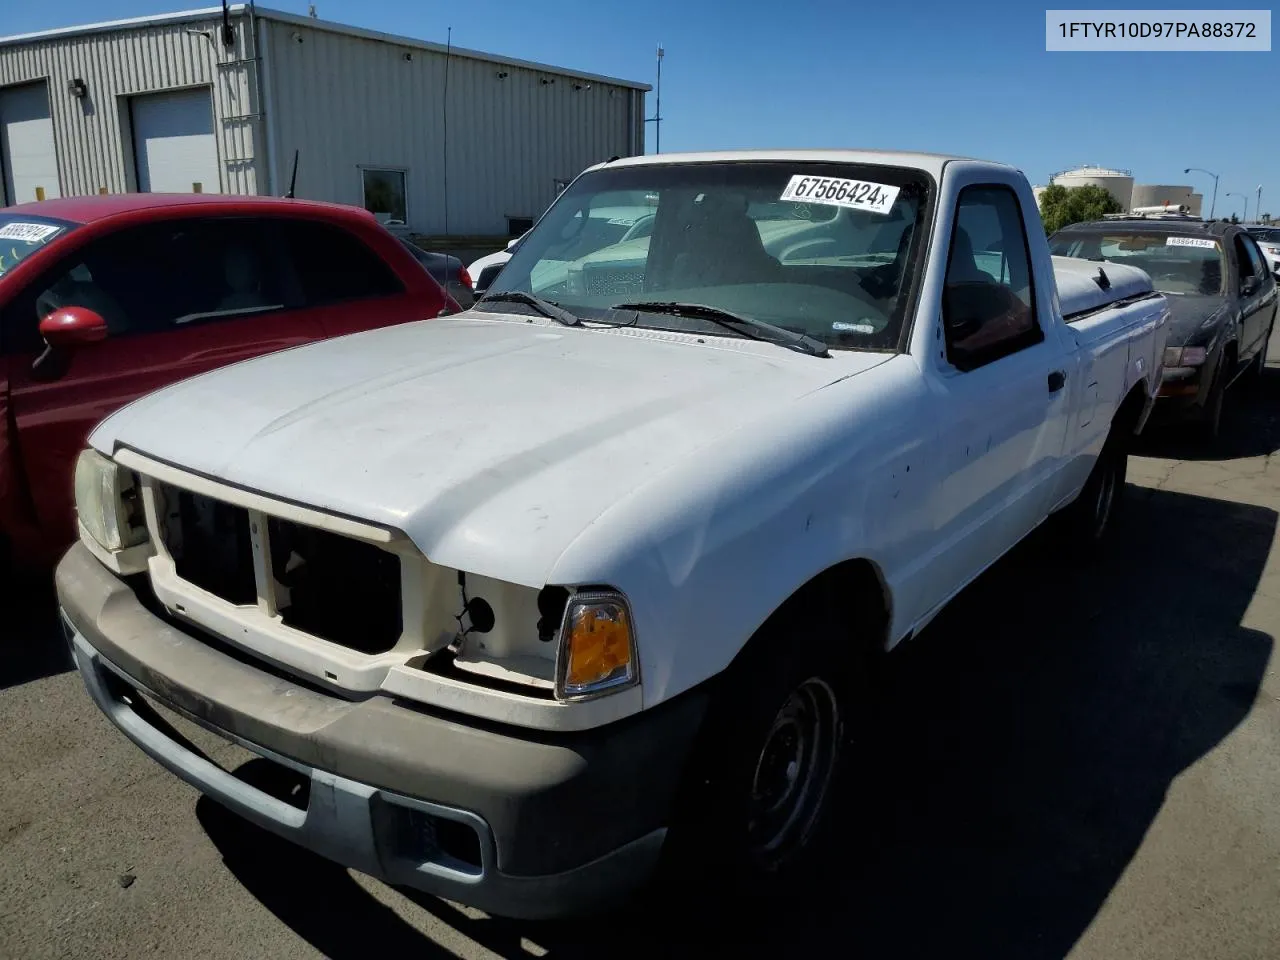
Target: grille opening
423 837
613 281
210 544
341 590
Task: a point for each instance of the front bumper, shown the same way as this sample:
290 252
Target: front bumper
561 823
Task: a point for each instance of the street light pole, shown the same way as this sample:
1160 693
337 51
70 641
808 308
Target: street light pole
1246 204
1257 207
1213 204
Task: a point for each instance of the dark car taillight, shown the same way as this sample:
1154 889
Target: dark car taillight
465 278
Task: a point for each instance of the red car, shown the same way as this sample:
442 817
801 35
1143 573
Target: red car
104 299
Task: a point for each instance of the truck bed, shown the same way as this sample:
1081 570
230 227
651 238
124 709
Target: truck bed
1086 286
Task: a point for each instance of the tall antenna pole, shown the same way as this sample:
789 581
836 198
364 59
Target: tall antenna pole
656 119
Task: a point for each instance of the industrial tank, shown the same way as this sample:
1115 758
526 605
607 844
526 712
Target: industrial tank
1119 183
1164 195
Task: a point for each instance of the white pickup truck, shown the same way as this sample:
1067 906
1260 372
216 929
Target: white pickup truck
523 601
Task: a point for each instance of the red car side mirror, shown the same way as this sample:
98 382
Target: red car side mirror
73 326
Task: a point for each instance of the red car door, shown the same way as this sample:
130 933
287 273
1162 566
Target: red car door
180 296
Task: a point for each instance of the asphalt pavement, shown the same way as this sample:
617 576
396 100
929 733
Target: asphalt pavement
1073 760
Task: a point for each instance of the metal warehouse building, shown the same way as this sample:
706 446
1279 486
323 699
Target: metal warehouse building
446 141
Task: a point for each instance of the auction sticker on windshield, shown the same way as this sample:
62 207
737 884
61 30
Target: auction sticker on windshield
838 192
29 232
1190 242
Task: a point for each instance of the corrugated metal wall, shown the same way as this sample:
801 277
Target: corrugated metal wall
92 134
346 101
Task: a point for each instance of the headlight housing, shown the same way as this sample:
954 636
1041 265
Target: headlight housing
597 647
108 505
1184 356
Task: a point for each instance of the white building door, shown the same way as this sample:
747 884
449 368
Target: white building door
27 154
173 143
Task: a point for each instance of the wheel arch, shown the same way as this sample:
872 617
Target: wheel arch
852 595
1131 415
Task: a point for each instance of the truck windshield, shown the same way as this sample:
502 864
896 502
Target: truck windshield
22 235
1176 264
828 250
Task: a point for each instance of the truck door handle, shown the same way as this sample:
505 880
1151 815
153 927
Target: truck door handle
1057 380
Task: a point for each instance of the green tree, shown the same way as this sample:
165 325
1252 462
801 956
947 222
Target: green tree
1060 206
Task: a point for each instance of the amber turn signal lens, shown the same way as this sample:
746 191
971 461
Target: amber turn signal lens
597 647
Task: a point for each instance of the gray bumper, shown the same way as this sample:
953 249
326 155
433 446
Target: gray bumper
560 823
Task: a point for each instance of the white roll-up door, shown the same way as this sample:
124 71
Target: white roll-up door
27 153
173 142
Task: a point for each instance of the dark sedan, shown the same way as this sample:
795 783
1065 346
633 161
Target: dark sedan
1221 293
447 271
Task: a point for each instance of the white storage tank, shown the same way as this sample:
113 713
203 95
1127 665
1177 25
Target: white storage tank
1119 183
1164 195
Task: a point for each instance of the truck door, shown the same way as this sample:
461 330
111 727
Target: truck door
1257 297
1002 404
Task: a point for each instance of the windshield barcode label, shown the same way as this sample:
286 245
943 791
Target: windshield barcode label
837 192
30 232
1190 242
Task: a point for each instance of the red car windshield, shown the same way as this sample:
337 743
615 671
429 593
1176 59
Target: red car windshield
22 235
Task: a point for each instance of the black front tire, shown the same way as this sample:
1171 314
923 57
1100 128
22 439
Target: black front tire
1086 523
760 790
1211 422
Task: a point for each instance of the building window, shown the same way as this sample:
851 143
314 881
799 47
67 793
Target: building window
384 194
519 226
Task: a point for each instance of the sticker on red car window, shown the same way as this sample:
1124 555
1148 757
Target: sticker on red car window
1190 242
838 192
30 232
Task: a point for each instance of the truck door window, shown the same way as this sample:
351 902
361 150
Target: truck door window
989 307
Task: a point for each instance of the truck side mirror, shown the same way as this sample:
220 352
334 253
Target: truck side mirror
72 327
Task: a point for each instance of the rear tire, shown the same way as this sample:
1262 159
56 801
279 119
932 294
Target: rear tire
759 793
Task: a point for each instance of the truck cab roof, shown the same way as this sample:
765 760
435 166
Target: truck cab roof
931 163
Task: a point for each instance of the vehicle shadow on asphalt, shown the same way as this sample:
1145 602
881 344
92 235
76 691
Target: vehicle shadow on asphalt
31 642
1018 751
1250 427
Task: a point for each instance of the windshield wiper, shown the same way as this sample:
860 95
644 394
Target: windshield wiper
552 311
746 326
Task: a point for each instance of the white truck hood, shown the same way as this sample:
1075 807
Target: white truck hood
491 443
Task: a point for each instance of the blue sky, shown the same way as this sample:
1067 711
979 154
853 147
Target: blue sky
955 78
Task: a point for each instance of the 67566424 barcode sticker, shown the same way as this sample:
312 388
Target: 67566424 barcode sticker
839 192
